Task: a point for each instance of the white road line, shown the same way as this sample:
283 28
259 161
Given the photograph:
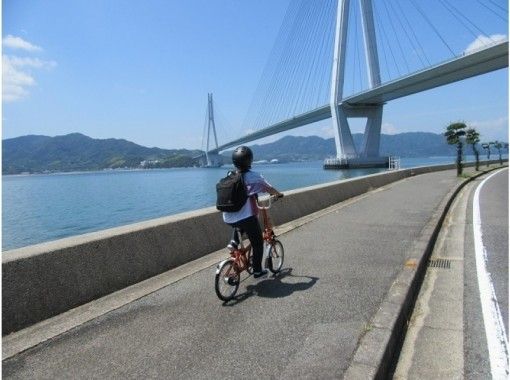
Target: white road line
497 341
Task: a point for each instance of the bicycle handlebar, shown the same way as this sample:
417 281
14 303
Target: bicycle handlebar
270 201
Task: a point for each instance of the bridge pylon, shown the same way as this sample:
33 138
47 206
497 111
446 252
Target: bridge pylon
347 154
211 160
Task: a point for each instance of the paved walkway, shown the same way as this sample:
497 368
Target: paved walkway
305 323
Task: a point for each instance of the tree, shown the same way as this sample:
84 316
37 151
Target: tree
487 147
454 133
473 137
499 146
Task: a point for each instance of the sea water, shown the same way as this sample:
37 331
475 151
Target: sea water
39 208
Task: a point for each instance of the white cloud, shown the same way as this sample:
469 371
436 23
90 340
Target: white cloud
495 129
14 82
389 129
29 62
482 42
16 79
326 132
19 43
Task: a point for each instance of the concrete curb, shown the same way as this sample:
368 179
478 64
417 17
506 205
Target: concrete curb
375 355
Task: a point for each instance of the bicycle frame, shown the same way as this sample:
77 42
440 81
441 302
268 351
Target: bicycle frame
240 254
267 234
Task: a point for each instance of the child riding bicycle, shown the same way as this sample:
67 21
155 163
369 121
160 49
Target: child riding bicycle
246 218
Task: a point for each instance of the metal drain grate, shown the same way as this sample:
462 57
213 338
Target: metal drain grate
440 263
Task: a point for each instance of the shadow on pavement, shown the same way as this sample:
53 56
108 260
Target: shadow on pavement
273 287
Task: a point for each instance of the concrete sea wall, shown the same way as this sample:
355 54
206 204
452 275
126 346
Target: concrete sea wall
44 280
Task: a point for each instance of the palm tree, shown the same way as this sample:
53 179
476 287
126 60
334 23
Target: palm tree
498 146
473 137
453 135
487 147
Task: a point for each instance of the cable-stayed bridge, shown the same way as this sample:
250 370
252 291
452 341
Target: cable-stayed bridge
368 103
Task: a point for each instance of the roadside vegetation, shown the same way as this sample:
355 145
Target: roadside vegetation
454 136
473 138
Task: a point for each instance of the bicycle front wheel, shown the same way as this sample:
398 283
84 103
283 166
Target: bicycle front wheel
275 259
226 281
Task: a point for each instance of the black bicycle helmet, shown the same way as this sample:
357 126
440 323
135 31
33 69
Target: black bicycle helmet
242 157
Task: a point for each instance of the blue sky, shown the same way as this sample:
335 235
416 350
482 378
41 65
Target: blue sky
142 70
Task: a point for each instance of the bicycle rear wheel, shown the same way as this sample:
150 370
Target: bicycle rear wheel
226 281
250 261
276 254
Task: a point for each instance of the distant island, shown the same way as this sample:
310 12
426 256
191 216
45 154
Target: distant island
77 152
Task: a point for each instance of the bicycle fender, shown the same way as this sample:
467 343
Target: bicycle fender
219 265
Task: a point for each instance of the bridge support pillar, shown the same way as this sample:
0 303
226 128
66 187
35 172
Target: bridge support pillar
372 136
211 160
343 138
347 156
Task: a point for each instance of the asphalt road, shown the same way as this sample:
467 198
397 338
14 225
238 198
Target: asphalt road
304 323
494 215
493 201
447 333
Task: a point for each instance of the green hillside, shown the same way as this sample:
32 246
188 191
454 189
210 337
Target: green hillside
77 152
412 144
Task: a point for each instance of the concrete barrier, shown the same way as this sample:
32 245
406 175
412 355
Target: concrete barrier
44 280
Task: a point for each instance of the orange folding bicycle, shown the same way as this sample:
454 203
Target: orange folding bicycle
228 272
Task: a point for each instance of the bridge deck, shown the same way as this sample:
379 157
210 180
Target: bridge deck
305 322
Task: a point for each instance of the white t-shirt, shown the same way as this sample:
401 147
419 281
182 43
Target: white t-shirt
255 184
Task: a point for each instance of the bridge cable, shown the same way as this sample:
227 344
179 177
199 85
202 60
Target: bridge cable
498 6
269 68
305 93
275 79
396 36
287 93
386 39
402 26
456 15
284 74
494 12
325 62
413 2
413 33
315 69
382 47
325 78
222 122
300 96
447 7
297 79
